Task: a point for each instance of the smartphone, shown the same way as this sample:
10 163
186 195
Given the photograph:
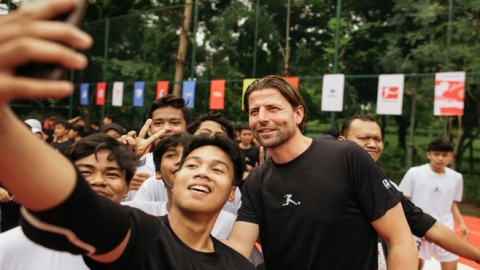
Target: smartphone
44 70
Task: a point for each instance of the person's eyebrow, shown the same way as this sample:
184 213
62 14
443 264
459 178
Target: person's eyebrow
89 166
216 161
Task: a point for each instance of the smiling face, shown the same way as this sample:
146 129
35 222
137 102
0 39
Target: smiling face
368 135
169 164
211 128
168 118
272 119
205 181
104 176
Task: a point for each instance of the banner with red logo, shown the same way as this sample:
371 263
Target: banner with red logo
117 94
101 86
217 94
390 94
449 93
162 89
293 81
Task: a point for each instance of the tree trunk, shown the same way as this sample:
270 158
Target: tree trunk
182 47
402 131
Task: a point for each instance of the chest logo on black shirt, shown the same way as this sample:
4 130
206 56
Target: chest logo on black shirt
289 200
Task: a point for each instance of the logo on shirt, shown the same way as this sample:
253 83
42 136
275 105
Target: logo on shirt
289 200
386 183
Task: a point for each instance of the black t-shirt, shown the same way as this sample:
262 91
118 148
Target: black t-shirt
251 155
153 245
314 212
62 146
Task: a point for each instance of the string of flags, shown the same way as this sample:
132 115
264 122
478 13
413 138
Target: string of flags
448 99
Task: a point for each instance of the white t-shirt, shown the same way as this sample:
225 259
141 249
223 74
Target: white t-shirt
433 192
221 230
147 167
17 252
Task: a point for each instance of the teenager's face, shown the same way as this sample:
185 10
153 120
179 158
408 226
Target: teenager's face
205 181
169 164
272 119
170 119
104 176
246 136
368 135
60 131
439 160
211 128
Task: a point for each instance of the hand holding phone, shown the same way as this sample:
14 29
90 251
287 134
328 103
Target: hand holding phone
45 70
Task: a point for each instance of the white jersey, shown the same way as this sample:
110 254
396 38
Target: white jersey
147 167
17 252
434 193
221 230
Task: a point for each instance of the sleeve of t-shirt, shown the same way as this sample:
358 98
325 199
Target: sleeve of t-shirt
406 186
418 221
145 230
372 189
247 211
143 194
459 191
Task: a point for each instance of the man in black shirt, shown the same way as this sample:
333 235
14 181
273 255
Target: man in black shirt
316 204
63 211
250 151
363 130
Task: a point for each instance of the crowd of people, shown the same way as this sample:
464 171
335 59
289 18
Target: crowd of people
187 193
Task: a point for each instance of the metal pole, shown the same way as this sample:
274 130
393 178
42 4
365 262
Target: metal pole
194 49
105 65
255 41
9 6
335 58
70 99
447 52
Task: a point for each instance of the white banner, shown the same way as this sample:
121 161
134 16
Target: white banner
449 93
117 95
390 94
332 92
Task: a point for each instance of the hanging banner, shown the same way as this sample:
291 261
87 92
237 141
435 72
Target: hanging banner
188 93
117 95
246 83
101 86
449 93
138 93
217 94
390 94
162 89
332 92
84 93
293 81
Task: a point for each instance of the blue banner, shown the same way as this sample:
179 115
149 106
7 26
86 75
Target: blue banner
189 93
84 94
138 93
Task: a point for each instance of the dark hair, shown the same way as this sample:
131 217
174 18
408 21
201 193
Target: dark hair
94 143
286 90
170 141
242 127
80 129
110 116
63 122
227 145
173 101
440 145
113 126
349 120
215 117
332 132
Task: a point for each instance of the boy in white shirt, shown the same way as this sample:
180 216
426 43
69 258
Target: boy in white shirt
436 189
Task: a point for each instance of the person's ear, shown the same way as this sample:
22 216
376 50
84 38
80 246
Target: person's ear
341 138
299 114
158 175
231 197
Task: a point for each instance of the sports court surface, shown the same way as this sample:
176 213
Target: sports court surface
473 223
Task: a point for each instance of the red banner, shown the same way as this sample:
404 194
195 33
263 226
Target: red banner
292 80
162 89
101 93
217 94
